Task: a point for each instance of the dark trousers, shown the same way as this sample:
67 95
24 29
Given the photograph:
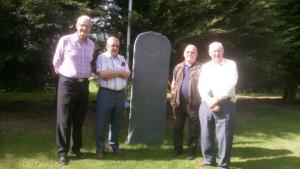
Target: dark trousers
72 102
182 113
110 110
217 125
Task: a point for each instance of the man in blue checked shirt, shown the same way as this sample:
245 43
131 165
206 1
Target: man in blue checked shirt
113 73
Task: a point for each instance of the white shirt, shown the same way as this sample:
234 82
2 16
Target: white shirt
218 80
106 62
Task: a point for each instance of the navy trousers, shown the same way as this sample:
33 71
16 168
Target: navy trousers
72 102
110 110
217 126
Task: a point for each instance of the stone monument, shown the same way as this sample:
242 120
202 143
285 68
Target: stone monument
151 59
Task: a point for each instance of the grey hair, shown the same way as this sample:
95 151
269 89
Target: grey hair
216 44
84 18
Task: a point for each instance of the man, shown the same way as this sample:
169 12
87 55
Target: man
71 61
186 101
217 80
113 73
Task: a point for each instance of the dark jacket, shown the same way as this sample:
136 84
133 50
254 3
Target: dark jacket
194 97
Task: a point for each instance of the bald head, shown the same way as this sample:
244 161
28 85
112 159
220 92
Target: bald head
190 54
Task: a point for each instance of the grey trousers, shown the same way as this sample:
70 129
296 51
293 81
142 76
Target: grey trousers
217 126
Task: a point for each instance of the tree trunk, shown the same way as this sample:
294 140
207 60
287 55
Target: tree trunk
289 94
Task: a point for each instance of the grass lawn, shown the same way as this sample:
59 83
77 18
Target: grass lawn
267 136
40 96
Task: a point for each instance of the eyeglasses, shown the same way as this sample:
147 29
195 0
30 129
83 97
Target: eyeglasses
114 46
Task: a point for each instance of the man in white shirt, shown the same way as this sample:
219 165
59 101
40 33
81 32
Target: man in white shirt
113 73
217 82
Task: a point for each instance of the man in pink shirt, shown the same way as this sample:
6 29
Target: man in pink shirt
72 61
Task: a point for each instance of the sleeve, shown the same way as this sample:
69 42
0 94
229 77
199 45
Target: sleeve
173 80
174 72
126 65
58 55
99 64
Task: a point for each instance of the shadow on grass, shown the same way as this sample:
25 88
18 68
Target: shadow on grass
288 162
255 152
137 155
19 146
28 132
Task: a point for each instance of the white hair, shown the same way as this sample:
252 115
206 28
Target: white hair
112 39
84 18
216 45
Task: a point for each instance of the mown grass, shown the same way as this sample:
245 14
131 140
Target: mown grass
40 96
267 136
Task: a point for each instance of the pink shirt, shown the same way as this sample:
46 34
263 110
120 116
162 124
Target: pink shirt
72 59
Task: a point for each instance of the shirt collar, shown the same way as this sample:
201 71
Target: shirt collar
189 65
218 64
110 56
76 38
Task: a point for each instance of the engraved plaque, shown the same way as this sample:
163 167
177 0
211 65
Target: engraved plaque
151 59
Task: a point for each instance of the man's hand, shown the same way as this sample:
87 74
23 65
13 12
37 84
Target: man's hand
213 104
122 74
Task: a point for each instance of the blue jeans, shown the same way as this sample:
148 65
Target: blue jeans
110 108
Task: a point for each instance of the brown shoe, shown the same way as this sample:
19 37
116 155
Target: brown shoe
203 164
100 156
117 151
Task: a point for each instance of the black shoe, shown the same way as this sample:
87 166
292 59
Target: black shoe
176 153
100 156
79 155
117 151
62 160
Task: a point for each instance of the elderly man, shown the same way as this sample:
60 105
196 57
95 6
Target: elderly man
186 101
72 61
217 79
113 73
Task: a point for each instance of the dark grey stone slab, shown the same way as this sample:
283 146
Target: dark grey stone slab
151 59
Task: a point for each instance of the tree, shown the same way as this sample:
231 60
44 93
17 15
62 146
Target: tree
32 28
289 47
107 22
246 29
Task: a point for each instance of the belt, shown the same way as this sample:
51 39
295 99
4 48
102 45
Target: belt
226 99
75 79
108 89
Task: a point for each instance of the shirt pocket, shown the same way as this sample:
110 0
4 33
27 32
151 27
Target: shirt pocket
70 52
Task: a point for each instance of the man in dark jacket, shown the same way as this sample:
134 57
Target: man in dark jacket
186 101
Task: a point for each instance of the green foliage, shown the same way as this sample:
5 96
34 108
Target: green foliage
288 43
250 31
31 29
261 35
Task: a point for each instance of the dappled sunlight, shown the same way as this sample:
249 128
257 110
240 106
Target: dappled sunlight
273 162
259 139
257 97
